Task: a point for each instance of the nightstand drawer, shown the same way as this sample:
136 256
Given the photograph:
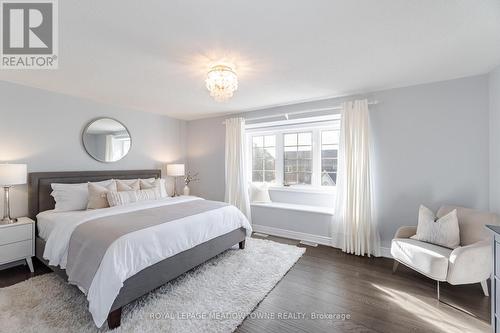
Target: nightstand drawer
16 251
16 233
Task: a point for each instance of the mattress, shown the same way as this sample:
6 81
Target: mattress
46 222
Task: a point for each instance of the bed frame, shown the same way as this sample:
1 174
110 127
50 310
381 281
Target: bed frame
148 279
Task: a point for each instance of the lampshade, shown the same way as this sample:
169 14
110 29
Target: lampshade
12 174
175 170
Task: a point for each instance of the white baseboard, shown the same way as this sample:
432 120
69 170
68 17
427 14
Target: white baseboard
323 240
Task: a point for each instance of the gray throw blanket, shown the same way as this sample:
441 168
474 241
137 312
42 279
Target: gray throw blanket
90 240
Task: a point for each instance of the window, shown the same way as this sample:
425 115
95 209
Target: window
298 158
329 151
293 153
263 158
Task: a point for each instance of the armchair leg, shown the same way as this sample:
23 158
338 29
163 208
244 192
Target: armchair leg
395 266
484 285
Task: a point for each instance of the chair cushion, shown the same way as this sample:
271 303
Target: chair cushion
428 259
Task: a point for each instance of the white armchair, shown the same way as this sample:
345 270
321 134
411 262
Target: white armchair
469 263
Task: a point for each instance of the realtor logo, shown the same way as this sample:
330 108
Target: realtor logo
29 34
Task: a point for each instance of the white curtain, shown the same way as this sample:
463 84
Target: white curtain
236 176
110 148
354 222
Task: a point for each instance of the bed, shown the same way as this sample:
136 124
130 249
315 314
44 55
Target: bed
140 280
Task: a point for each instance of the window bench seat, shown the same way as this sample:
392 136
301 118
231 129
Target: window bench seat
295 221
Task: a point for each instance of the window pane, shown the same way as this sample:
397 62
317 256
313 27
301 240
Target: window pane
290 139
270 141
290 153
258 153
329 137
269 165
304 178
258 164
305 165
298 158
263 158
305 139
290 178
270 153
258 141
270 176
304 154
290 165
257 176
328 178
329 165
329 152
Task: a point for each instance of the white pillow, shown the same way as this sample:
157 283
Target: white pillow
126 197
69 197
97 195
259 192
158 183
444 231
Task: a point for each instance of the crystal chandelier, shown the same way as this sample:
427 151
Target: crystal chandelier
222 82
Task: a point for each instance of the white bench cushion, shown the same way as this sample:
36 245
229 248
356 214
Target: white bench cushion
428 259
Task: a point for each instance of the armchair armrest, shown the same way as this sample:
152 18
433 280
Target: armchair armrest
471 263
405 232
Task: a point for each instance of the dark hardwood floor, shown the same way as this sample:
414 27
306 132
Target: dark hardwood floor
326 281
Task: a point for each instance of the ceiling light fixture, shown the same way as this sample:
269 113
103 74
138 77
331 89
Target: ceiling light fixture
222 82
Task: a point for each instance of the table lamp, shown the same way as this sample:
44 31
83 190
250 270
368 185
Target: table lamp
10 175
175 170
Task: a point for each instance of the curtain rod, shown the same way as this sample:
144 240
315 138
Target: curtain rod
287 114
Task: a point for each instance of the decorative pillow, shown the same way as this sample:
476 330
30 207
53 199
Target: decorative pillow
127 185
444 231
126 197
259 192
69 197
158 183
97 195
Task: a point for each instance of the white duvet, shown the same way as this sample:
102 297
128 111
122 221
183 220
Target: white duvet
135 251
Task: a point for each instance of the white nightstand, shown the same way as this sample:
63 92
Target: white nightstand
17 241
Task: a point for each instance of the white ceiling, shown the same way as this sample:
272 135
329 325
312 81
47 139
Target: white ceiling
153 55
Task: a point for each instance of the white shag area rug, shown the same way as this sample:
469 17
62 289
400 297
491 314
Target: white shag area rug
215 297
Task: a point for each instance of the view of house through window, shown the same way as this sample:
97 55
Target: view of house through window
329 150
298 158
295 155
263 158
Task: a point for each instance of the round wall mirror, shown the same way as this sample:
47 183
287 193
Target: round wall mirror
106 139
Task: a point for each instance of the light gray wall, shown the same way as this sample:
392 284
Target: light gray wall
431 148
43 130
494 95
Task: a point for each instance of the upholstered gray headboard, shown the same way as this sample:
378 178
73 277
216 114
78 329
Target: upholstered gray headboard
39 198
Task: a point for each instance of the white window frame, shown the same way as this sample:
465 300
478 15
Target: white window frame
283 127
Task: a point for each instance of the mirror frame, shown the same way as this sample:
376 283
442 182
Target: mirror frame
97 119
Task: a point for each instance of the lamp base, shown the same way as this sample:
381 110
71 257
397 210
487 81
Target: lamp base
8 220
